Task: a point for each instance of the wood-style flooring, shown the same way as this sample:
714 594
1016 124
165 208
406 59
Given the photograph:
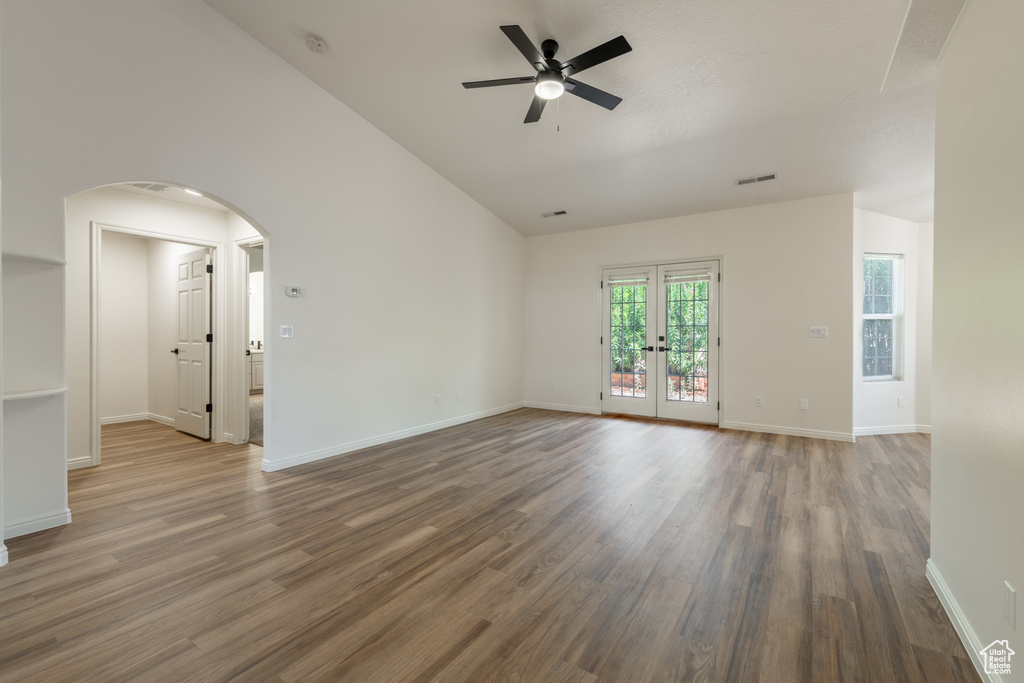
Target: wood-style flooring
531 546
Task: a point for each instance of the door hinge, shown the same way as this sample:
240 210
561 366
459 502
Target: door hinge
719 277
719 341
602 395
209 337
209 407
719 406
209 267
602 341
602 284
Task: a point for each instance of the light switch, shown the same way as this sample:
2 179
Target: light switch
287 331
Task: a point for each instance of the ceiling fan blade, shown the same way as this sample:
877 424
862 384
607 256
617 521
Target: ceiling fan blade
536 107
602 53
526 46
592 94
499 81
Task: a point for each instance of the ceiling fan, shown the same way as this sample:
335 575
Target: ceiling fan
553 77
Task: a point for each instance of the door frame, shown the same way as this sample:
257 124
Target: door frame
599 325
241 324
217 302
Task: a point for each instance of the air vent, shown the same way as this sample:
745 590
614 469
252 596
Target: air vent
757 179
549 214
153 187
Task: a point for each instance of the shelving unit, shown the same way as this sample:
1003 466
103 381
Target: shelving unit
34 388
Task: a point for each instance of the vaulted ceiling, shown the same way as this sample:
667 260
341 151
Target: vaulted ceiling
713 91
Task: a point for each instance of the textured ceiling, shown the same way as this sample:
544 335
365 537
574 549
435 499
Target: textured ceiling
714 90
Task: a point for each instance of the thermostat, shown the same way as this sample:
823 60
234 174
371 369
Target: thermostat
292 291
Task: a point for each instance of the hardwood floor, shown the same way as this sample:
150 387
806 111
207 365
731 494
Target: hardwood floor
531 546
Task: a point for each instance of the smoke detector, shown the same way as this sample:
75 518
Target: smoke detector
316 44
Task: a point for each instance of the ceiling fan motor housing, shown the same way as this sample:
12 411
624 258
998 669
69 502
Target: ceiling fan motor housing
549 48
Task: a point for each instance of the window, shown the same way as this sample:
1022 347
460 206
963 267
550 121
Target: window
883 316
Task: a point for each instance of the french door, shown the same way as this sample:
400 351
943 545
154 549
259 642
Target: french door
660 341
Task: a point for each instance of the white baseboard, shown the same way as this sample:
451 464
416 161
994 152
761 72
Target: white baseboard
37 523
169 421
789 431
890 429
963 627
562 408
117 419
79 461
3 554
313 456
924 429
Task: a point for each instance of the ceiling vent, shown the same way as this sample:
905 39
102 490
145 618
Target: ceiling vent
153 187
549 214
757 179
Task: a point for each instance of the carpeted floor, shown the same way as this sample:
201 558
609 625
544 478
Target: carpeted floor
256 419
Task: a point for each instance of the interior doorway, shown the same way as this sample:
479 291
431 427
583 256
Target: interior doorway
255 351
660 341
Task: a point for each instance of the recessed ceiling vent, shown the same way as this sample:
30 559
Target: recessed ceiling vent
153 187
549 214
757 179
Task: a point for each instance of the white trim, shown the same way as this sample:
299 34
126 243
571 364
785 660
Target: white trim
968 637
562 408
33 258
341 449
79 462
37 523
891 429
153 417
117 419
41 393
789 431
3 555
924 429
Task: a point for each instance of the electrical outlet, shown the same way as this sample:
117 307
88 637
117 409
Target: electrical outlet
759 401
287 331
899 402
803 404
437 399
1010 605
460 394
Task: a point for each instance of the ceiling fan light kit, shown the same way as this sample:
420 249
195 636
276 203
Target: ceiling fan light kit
553 77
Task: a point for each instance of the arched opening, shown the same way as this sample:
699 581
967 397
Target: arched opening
124 244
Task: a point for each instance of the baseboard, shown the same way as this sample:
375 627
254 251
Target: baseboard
963 628
38 523
117 419
924 429
313 456
788 431
891 429
169 421
79 462
3 554
562 408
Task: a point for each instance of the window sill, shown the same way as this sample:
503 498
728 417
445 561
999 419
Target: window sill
882 380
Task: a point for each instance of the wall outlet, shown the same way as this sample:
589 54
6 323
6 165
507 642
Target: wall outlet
287 331
759 401
803 404
899 402
1010 605
437 399
460 394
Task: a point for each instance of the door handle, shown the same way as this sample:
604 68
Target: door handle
248 352
664 348
174 351
650 348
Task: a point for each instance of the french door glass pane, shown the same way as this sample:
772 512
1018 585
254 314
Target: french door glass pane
686 306
628 341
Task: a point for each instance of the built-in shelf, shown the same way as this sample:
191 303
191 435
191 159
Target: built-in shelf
40 393
32 258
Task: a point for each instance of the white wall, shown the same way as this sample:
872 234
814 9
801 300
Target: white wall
978 368
124 335
412 288
786 267
256 327
162 316
875 404
925 288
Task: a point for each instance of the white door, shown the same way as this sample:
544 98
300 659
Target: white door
193 351
660 344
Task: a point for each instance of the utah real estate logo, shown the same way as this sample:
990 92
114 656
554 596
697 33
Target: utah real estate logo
997 657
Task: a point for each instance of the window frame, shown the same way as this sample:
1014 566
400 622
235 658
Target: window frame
896 316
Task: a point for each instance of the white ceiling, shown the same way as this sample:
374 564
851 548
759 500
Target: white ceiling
714 90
